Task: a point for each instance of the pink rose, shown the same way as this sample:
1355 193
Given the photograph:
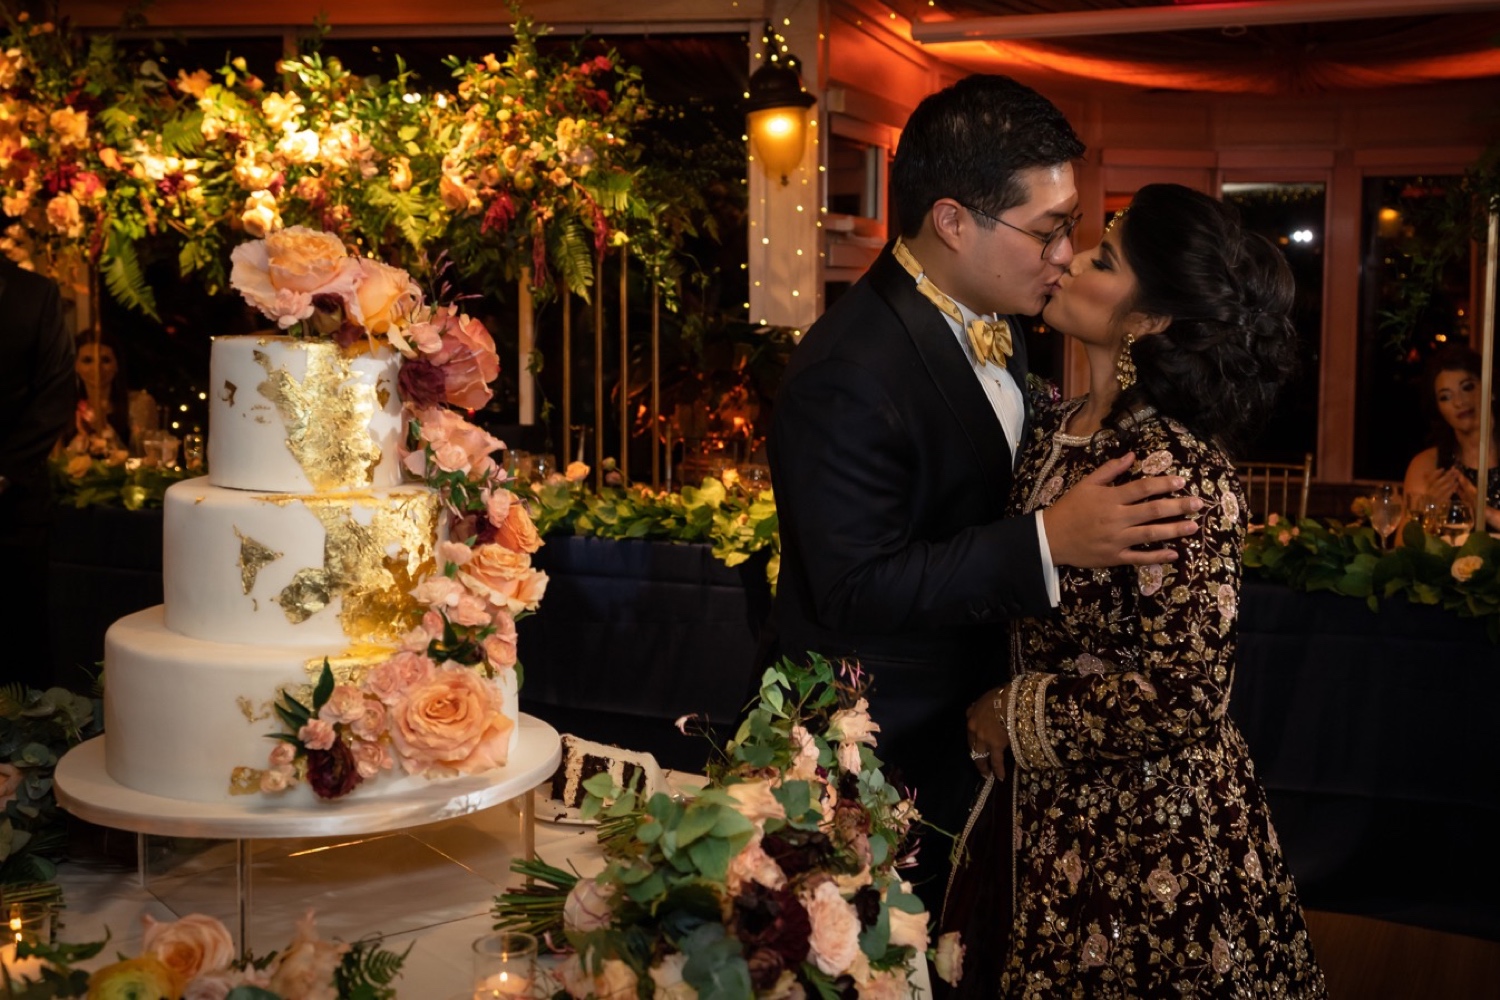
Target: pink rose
500 646
10 781
517 532
948 963
190 946
392 679
848 757
587 907
834 943
497 505
468 360
276 779
317 734
454 722
297 261
371 758
371 725
438 591
456 553
282 754
306 968
345 704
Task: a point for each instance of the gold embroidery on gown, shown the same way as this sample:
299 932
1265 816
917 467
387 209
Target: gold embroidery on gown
1146 865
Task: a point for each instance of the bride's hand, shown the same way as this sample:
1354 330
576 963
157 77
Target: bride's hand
988 737
1096 524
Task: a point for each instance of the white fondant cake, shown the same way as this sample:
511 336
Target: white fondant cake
296 416
301 546
560 799
291 569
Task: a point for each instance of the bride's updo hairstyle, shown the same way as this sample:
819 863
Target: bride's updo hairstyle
1230 344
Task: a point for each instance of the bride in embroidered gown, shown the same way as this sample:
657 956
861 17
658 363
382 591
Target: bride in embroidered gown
1122 847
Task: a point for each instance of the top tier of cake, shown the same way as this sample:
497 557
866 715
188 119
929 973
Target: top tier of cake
299 416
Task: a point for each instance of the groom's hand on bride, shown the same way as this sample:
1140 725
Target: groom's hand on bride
1099 524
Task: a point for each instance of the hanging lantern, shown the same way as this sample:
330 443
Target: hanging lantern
777 111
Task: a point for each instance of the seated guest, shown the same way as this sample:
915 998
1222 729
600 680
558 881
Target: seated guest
109 416
1450 467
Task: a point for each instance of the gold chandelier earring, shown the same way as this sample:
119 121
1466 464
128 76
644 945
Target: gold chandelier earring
1125 364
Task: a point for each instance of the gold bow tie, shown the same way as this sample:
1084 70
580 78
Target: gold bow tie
990 338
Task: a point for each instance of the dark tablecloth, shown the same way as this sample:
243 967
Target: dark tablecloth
1372 732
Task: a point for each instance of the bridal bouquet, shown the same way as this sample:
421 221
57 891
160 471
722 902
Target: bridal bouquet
425 710
778 879
194 959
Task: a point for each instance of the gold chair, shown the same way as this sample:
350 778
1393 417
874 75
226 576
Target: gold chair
1271 487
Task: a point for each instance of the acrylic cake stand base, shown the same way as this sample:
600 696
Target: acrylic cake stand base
86 790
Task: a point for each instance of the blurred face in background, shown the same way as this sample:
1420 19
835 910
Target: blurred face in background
96 364
1457 394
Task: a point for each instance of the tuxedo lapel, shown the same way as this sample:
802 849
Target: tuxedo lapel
950 370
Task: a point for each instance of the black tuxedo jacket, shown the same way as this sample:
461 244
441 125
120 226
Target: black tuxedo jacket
891 474
36 391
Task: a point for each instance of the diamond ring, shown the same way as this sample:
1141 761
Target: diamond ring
978 754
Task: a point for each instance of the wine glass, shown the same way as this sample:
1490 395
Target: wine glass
1385 512
1458 522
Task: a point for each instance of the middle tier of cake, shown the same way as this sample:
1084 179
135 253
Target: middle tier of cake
280 569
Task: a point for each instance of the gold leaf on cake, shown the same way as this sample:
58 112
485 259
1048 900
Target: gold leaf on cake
326 415
251 711
305 596
229 390
244 781
253 557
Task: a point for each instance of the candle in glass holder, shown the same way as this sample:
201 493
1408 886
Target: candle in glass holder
504 965
30 922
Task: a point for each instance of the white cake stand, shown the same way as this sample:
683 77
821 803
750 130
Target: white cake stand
85 789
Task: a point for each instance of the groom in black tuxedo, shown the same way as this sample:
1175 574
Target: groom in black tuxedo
897 427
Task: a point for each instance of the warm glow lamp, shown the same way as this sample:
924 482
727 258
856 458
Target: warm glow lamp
777 110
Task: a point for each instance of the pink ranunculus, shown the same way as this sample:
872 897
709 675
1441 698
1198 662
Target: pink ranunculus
371 725
454 722
306 969
500 647
457 445
834 943
518 531
191 946
587 907
370 758
497 505
10 782
282 754
317 734
948 963
456 553
345 704
392 679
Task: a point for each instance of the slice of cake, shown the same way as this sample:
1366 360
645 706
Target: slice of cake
559 800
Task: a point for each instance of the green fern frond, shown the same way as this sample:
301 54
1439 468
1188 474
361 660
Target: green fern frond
571 250
121 270
183 136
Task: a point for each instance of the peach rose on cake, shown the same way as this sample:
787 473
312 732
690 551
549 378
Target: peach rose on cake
504 578
191 946
371 725
289 267
500 646
371 758
383 296
454 722
497 505
346 704
518 531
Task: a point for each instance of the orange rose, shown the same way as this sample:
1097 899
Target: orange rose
504 577
454 722
384 295
517 531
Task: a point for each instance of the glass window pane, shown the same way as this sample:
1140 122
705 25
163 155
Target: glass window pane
1403 316
1292 216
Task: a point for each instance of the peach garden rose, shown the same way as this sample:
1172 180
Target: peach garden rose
834 943
454 722
191 946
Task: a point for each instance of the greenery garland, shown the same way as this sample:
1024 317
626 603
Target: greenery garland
1347 559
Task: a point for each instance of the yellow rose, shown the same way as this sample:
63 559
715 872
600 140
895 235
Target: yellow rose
72 127
299 147
1465 567
457 195
144 978
281 111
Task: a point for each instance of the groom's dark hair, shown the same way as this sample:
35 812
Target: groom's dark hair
969 141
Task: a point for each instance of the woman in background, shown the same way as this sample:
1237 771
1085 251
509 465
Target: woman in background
1450 467
1128 852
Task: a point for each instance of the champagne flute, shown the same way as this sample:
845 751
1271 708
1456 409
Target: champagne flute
1458 522
1385 512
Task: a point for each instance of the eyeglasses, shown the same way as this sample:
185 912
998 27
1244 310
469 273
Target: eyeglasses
1049 241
